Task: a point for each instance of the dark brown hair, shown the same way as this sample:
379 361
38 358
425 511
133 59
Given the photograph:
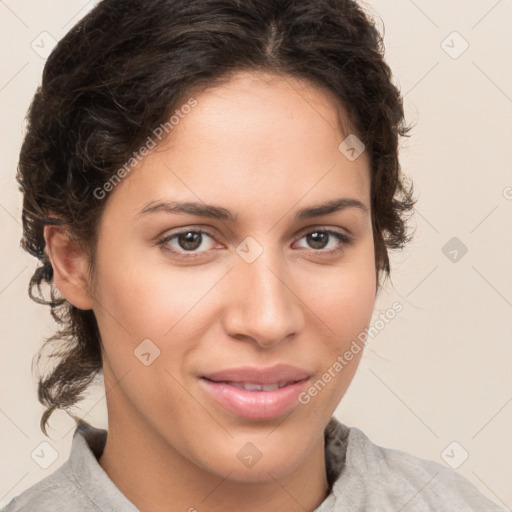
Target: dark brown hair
126 66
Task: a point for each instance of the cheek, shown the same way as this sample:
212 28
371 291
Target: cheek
138 298
349 304
347 314
136 302
343 301
344 296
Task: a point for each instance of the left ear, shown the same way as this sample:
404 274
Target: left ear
70 267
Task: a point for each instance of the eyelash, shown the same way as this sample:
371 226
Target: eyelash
345 240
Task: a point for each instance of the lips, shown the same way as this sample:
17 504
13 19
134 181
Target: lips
272 375
256 393
248 386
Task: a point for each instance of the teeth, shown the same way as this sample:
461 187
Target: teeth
258 387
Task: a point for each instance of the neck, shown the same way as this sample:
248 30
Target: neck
156 478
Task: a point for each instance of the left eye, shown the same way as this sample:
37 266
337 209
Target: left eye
325 239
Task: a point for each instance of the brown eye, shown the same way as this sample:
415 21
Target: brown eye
326 240
188 241
317 239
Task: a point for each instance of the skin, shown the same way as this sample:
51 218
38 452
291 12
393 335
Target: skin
262 147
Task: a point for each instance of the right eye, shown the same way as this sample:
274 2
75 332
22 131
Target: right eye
187 241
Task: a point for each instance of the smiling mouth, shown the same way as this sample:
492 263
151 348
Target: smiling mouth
255 400
253 386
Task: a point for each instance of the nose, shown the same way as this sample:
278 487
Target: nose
263 306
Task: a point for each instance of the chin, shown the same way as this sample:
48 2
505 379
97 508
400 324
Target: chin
262 472
258 460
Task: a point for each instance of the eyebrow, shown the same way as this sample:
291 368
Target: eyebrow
217 212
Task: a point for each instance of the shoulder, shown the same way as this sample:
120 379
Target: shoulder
80 484
57 490
377 478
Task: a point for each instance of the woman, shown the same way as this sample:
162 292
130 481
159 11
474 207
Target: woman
212 188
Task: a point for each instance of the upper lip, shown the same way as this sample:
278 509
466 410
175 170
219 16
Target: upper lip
259 375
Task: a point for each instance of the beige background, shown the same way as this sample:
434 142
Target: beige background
441 370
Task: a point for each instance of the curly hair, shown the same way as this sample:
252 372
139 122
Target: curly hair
120 72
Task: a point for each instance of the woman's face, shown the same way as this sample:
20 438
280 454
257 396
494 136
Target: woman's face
257 289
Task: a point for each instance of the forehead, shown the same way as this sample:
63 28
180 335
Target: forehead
255 138
258 111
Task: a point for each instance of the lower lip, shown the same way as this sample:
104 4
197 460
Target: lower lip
258 405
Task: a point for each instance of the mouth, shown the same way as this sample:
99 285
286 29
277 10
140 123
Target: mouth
279 374
253 386
256 393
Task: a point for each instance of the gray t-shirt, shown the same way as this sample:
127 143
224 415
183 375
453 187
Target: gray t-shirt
363 477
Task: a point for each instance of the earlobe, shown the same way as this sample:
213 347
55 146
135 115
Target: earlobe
70 268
